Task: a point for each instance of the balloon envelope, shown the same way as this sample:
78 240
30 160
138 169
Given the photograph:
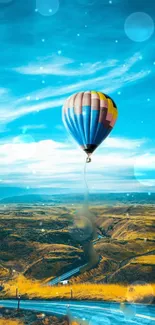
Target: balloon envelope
89 116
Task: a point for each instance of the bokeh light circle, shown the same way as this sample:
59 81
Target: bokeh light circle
140 291
139 26
47 7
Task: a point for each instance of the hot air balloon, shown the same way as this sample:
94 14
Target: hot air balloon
89 116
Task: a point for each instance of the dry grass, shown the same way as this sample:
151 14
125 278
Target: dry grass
4 321
3 272
148 259
106 292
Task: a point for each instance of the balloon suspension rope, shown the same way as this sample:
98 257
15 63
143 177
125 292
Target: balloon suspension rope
88 160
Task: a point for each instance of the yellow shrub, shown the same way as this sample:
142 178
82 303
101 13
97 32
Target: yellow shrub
10 322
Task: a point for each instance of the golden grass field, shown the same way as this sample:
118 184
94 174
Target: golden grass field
104 292
149 259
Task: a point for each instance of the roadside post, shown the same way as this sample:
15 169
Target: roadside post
19 298
16 293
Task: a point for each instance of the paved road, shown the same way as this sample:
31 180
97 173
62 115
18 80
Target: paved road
68 275
95 313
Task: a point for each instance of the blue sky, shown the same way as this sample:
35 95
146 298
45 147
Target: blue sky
51 49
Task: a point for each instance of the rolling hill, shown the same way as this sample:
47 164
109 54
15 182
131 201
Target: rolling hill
42 242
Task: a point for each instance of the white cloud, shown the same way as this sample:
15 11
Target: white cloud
123 143
49 164
147 159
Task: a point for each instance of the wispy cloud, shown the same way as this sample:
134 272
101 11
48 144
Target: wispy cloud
108 77
7 115
28 127
3 91
60 66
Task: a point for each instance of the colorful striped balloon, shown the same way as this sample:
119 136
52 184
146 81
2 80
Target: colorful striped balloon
89 116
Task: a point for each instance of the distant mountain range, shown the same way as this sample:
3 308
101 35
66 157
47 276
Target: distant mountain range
97 198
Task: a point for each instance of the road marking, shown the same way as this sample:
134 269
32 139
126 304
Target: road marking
87 306
145 316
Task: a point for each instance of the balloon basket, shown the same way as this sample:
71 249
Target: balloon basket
88 160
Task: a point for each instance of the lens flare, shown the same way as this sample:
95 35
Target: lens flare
47 7
128 310
139 26
140 291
